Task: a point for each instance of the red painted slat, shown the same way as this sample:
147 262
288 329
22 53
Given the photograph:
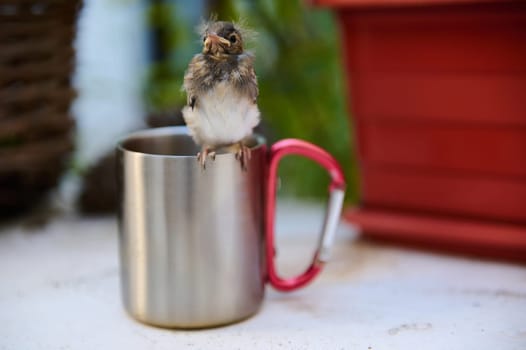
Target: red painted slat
395 3
441 40
498 99
444 192
482 150
495 239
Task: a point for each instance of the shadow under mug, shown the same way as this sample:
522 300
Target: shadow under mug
197 246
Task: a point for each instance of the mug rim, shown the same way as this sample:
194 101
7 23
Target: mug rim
172 130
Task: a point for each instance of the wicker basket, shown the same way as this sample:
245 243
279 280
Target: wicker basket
36 62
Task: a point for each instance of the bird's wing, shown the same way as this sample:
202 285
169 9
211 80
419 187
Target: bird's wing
248 81
191 79
253 85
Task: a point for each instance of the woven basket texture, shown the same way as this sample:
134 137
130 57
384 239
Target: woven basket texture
36 63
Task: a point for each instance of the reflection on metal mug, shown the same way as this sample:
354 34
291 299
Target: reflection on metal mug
197 247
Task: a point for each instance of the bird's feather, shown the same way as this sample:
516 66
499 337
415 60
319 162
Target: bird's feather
222 98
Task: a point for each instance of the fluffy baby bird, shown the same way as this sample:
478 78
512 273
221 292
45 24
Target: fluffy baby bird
222 90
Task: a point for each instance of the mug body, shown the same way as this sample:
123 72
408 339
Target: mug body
191 240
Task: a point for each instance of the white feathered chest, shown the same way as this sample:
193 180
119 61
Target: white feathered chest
221 116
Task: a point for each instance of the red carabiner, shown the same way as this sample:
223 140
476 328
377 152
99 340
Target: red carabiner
337 187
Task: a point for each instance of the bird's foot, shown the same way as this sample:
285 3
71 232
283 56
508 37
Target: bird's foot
206 152
243 154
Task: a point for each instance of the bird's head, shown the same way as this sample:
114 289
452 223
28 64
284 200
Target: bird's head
220 38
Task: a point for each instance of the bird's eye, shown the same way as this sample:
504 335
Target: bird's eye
232 39
204 38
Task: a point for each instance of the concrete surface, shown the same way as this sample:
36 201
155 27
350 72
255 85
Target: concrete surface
60 290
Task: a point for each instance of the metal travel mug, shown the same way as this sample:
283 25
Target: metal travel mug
197 246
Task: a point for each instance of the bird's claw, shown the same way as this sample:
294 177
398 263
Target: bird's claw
243 155
203 155
201 159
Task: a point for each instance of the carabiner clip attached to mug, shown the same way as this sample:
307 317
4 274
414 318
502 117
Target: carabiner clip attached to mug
332 217
334 207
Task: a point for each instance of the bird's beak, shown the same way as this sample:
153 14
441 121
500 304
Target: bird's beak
214 39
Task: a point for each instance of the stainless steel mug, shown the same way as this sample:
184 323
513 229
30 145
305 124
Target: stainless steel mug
197 246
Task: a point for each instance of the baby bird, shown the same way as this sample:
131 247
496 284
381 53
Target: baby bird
222 91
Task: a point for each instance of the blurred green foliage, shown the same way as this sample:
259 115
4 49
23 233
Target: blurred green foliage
298 63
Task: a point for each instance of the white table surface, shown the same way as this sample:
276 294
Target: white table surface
59 289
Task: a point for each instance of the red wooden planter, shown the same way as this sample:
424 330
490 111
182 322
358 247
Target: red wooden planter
438 93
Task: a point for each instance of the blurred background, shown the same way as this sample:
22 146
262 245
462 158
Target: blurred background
429 95
126 60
